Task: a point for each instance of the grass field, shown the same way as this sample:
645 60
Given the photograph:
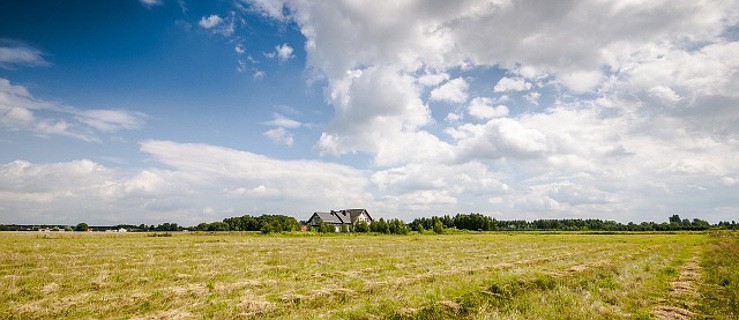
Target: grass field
472 276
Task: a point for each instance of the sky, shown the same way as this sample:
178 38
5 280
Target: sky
151 111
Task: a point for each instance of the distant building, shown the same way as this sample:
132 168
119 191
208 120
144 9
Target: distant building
339 218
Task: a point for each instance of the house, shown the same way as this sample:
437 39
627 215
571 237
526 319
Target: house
340 218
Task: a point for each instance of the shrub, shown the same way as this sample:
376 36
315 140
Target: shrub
325 227
438 227
267 228
361 226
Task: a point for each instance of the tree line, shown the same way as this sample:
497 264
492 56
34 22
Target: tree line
438 224
265 223
479 222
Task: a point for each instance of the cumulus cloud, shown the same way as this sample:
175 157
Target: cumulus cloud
210 21
224 26
664 75
482 108
370 104
506 84
284 52
454 91
432 79
581 81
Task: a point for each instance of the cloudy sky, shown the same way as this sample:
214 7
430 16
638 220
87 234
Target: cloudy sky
150 111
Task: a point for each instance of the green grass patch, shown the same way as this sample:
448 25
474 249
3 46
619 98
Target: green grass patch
720 288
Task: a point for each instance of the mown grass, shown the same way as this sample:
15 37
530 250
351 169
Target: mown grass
303 276
721 285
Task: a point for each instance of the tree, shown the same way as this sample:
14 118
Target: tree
397 226
218 226
380 226
325 227
675 219
438 227
81 227
361 226
699 224
420 229
267 228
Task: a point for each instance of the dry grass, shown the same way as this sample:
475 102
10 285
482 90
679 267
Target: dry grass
240 275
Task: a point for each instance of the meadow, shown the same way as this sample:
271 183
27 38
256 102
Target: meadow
65 275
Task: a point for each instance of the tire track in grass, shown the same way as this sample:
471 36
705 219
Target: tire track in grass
684 294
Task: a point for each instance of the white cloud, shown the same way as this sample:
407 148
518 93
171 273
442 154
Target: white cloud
280 135
224 25
280 120
239 49
729 181
18 110
433 79
150 3
111 120
270 8
284 52
210 21
373 107
581 81
663 73
197 176
258 74
297 182
532 97
499 138
506 84
14 53
664 93
453 117
482 108
454 91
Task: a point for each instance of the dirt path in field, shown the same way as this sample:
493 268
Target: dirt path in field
683 294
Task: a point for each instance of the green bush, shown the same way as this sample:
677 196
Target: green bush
325 227
438 227
361 226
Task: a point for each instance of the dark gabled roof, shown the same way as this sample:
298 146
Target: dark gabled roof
354 213
329 217
344 216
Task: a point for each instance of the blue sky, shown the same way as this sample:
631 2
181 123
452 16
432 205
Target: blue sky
190 111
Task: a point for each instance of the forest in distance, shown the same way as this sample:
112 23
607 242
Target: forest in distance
439 224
